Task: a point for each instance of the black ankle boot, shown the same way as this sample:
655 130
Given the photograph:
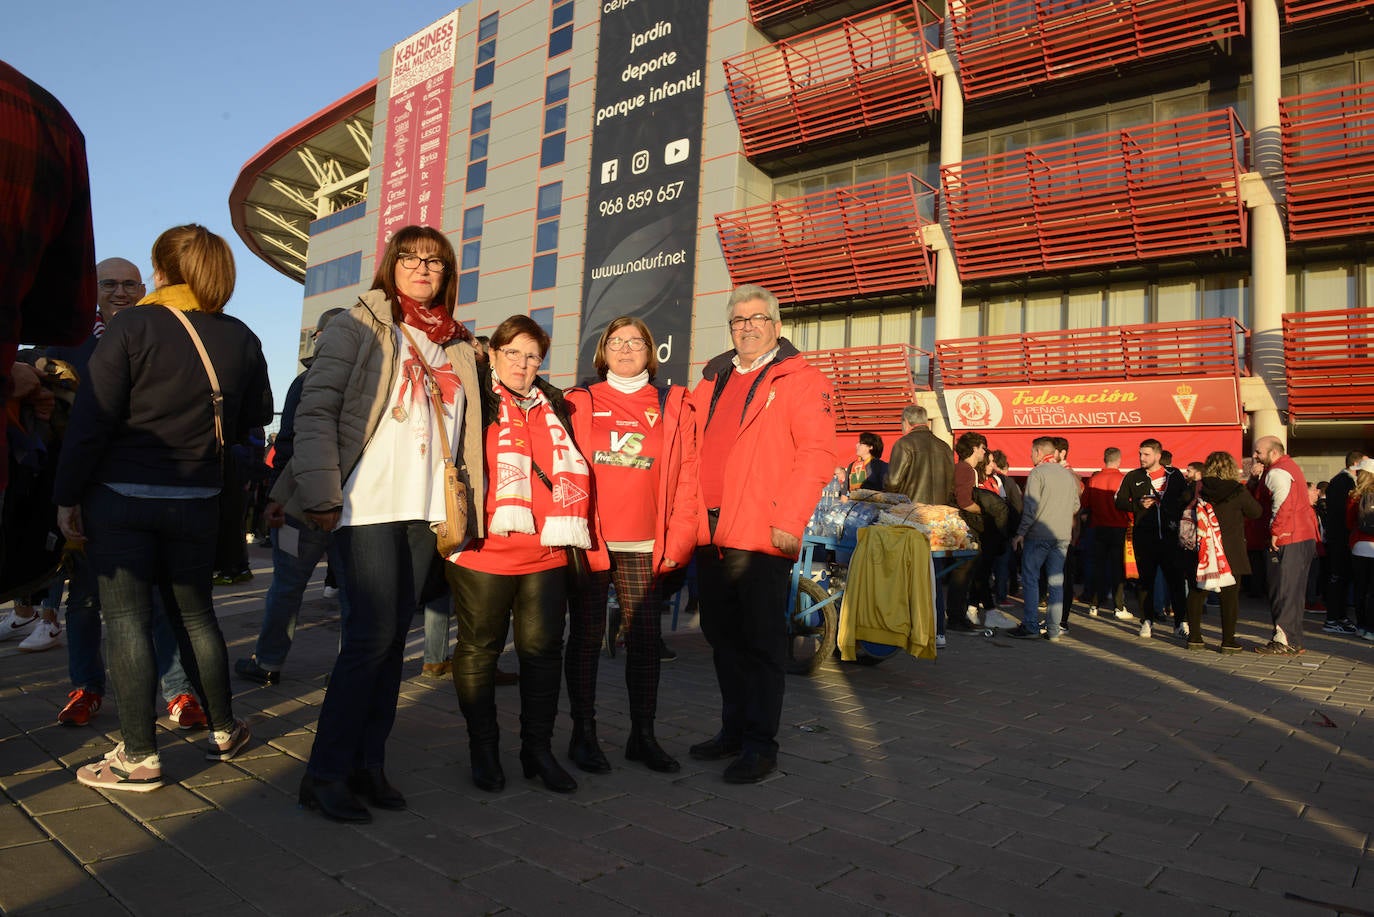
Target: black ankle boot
540 762
644 747
486 768
334 800
584 750
371 784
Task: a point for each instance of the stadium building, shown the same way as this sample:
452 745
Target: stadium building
1106 219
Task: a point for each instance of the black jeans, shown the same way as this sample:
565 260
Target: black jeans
743 616
1152 554
485 606
138 545
1337 585
1107 588
1230 610
383 570
1363 570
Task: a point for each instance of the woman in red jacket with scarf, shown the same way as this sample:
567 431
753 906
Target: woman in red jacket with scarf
641 442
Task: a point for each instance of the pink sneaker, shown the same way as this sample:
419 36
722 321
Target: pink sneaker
226 745
116 771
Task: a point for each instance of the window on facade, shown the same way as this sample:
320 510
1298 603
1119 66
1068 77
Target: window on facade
333 275
485 72
479 141
548 208
544 274
552 147
560 27
471 254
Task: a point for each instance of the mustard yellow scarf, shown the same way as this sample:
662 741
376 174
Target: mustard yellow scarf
176 295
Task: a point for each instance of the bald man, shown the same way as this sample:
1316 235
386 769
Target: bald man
1292 545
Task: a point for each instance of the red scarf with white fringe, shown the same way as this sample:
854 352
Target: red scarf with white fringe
570 475
1213 569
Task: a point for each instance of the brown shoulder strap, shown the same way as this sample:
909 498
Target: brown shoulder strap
434 397
216 395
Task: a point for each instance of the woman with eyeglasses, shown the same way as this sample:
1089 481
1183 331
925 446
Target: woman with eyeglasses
368 466
537 504
641 440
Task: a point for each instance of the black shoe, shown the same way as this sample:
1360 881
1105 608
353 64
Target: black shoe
371 784
714 748
644 747
487 774
750 767
249 669
665 652
542 764
1021 633
961 623
585 751
334 800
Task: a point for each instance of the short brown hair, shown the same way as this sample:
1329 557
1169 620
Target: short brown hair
195 256
517 325
410 239
599 359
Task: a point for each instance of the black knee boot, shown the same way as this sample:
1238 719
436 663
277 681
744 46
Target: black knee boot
539 682
477 699
644 747
584 750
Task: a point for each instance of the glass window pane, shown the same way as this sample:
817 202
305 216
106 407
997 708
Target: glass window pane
486 52
550 201
1085 309
562 14
551 150
477 175
969 314
467 287
472 255
488 26
555 117
482 77
544 319
1044 312
1224 297
1005 316
1177 301
561 42
865 330
546 236
556 87
472 222
1328 287
481 118
1127 304
477 149
831 333
896 328
545 273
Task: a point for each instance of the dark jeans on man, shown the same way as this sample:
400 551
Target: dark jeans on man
1362 569
1288 566
487 605
1107 590
383 572
1152 554
744 618
1337 585
135 544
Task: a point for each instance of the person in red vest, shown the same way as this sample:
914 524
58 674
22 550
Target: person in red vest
1292 545
1109 526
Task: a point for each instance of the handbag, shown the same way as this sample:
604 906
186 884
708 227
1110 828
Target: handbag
579 568
450 534
1187 525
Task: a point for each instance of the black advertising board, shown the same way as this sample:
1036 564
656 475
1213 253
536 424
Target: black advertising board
645 182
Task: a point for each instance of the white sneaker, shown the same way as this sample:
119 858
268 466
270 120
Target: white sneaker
45 636
972 614
331 592
1092 611
1123 615
1181 632
939 641
1145 628
12 626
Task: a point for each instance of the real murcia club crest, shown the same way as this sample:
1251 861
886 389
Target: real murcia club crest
651 415
565 494
1186 399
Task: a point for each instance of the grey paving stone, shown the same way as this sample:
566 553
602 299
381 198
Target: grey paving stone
891 895
43 875
774 857
786 824
280 883
540 847
530 890
693 862
905 860
771 893
45 792
680 824
17 827
150 881
98 833
405 887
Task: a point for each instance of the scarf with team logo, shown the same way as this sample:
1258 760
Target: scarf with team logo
569 478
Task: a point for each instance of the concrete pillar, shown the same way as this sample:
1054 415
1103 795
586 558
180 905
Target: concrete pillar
1268 245
949 291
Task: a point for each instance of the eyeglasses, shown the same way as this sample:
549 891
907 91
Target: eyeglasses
757 320
631 344
128 286
516 355
411 261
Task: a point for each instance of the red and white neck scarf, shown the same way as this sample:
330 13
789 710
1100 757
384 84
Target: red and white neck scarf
1213 569
570 476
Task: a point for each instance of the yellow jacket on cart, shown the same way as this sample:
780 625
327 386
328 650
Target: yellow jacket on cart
889 596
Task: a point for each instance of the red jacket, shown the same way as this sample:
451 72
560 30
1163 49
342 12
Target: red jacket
675 528
1102 511
783 457
1352 522
1293 519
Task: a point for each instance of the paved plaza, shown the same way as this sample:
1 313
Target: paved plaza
1101 775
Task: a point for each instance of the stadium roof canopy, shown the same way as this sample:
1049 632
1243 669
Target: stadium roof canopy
314 169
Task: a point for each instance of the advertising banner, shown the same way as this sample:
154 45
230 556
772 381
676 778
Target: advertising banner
417 115
644 188
1145 403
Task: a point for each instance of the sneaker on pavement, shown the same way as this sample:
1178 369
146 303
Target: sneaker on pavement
1122 614
939 641
226 745
1275 648
81 706
665 652
243 576
1021 632
1092 611
1181 632
116 771
14 627
250 669
1145 629
1368 635
45 636
186 713
331 592
1343 627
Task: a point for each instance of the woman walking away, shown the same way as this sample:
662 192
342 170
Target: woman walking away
138 484
1362 552
1223 505
536 508
368 466
641 440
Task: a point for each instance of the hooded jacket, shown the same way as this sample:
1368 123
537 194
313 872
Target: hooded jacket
784 455
1233 504
343 400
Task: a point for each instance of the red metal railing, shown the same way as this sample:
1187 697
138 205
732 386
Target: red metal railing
872 384
1295 11
1330 364
1140 193
1204 347
1328 162
766 14
850 241
832 81
1006 45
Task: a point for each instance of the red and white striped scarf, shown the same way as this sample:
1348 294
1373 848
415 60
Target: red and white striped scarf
1213 569
570 476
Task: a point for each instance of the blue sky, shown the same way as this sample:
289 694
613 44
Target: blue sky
175 97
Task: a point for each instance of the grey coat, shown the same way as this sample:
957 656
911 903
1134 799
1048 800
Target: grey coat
347 392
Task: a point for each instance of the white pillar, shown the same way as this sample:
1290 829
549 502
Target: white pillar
1268 245
949 291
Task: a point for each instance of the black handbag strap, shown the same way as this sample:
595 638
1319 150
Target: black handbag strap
539 472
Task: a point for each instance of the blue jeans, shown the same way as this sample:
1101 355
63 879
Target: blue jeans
383 571
437 614
1001 576
1049 556
282 607
136 546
